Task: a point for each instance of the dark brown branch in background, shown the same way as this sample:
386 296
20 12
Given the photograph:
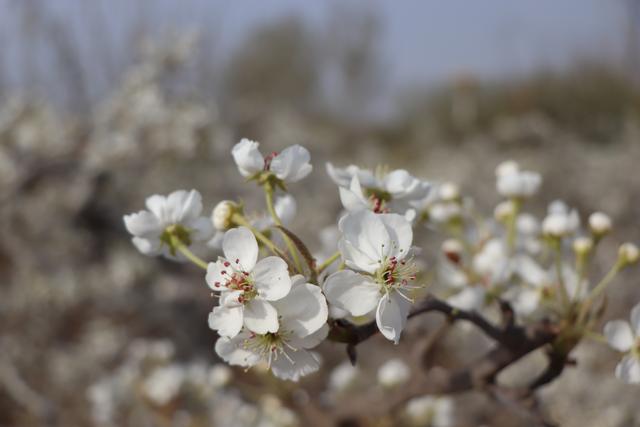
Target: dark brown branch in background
512 343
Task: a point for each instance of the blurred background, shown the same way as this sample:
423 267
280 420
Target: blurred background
103 103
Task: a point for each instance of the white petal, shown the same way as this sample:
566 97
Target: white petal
214 277
628 370
352 201
356 259
240 248
400 233
311 341
342 177
286 208
260 316
635 320
231 299
351 291
233 351
156 204
176 201
530 271
304 310
143 224
292 164
367 233
201 229
391 316
247 157
150 247
304 363
226 320
619 335
272 278
191 206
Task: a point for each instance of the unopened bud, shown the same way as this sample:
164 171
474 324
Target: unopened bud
452 249
599 223
582 245
222 213
449 191
628 253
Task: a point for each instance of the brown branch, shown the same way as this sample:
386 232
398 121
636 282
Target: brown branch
513 343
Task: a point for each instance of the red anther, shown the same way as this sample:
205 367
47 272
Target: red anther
237 261
245 273
226 264
223 272
268 159
217 284
404 282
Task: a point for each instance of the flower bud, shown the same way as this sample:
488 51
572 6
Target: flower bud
504 211
452 249
628 253
449 191
582 245
222 213
599 223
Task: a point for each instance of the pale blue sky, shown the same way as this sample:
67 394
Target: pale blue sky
423 41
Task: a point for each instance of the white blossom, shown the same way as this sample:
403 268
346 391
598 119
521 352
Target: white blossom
290 165
560 221
629 253
164 383
511 181
179 212
303 314
248 287
342 376
393 373
377 247
393 191
222 213
625 337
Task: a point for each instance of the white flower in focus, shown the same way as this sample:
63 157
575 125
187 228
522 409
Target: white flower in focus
303 315
430 411
377 246
384 192
560 221
164 383
625 337
342 376
177 213
393 373
513 182
248 286
290 165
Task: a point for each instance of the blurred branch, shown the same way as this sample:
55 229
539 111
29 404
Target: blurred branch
513 343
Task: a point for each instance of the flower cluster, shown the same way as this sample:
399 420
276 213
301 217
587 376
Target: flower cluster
276 303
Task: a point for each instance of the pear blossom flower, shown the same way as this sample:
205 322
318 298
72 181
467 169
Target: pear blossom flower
393 373
303 315
394 191
493 262
377 247
342 377
625 337
599 223
290 165
511 181
248 287
560 221
178 213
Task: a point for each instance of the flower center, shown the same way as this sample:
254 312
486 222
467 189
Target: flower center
268 159
238 280
269 346
395 273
